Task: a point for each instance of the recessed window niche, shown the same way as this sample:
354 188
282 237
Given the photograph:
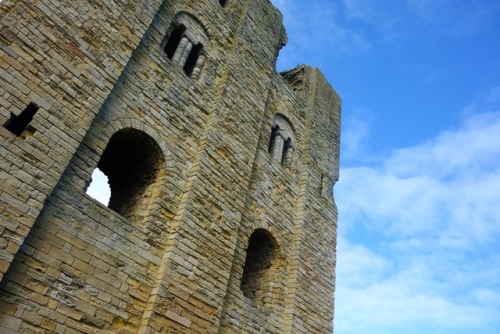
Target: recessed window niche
132 162
261 268
185 42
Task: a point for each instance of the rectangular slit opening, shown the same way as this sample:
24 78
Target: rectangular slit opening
18 124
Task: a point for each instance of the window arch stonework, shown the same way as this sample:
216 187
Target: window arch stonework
133 163
282 141
185 44
261 268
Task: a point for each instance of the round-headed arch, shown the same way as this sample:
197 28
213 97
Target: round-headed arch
132 162
134 159
282 142
185 43
261 267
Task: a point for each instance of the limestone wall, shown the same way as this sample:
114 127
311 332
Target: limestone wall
207 231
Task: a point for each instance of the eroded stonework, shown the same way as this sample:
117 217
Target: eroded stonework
221 217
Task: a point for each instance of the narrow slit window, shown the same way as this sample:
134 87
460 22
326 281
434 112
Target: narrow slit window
274 130
174 40
326 186
223 2
192 59
18 124
286 158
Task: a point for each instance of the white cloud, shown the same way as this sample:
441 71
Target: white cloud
362 266
419 234
416 298
451 175
486 101
453 152
382 15
355 132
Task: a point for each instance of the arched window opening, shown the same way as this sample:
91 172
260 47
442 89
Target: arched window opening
99 187
174 40
131 161
281 142
222 3
260 269
326 186
184 44
274 130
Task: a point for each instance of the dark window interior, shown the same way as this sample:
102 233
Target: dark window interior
174 40
274 130
131 161
260 265
17 124
192 58
288 143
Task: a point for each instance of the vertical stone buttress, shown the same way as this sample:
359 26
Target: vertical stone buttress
285 200
310 298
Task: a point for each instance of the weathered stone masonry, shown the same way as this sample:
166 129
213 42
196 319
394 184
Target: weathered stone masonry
221 218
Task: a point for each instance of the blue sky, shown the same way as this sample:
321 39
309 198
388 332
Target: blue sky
419 191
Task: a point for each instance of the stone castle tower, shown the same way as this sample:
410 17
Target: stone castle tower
221 217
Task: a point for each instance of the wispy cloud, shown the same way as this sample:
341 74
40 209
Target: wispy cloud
410 302
355 133
456 17
428 10
429 220
484 101
315 29
383 15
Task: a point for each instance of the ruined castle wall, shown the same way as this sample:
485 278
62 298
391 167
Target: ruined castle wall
213 209
65 57
290 202
317 213
170 252
271 203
